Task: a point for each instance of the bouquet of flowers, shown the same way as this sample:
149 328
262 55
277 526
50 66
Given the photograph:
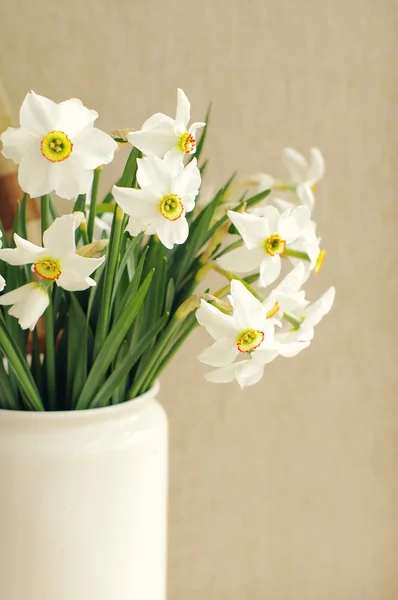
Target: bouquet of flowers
114 283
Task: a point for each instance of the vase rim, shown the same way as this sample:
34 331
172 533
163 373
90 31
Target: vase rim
88 416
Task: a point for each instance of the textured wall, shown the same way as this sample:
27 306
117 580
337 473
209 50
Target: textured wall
287 491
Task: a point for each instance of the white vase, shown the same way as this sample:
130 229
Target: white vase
83 499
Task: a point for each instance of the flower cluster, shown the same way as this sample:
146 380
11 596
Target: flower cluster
121 274
281 229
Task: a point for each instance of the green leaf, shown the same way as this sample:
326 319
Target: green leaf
199 234
119 375
112 343
77 351
201 142
126 258
130 170
170 292
17 362
8 399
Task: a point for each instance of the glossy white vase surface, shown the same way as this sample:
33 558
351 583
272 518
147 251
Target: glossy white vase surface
83 503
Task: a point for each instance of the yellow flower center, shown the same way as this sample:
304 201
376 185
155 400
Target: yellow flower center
56 146
171 207
273 310
319 261
274 244
186 143
48 268
249 340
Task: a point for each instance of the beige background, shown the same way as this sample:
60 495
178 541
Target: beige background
287 491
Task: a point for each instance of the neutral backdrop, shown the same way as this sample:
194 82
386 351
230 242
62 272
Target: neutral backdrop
287 490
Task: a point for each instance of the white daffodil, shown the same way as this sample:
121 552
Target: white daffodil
288 295
58 260
266 239
57 147
246 333
299 324
168 191
304 174
29 303
161 135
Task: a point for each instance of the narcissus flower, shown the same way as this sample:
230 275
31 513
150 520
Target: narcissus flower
57 147
304 174
168 192
266 239
58 260
288 295
29 303
247 333
299 324
161 135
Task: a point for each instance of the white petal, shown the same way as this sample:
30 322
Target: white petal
35 174
270 269
264 355
198 125
70 179
74 117
183 113
15 295
289 350
136 203
173 232
79 266
93 148
222 353
296 164
252 229
156 141
292 222
294 280
155 120
59 238
188 180
250 373
189 202
317 165
73 283
24 254
249 313
224 374
217 323
17 142
39 114
242 260
2 283
271 216
29 303
154 172
316 311
306 195
175 160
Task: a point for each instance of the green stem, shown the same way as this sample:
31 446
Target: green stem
22 373
93 203
83 229
45 213
110 272
293 320
50 355
156 356
296 254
